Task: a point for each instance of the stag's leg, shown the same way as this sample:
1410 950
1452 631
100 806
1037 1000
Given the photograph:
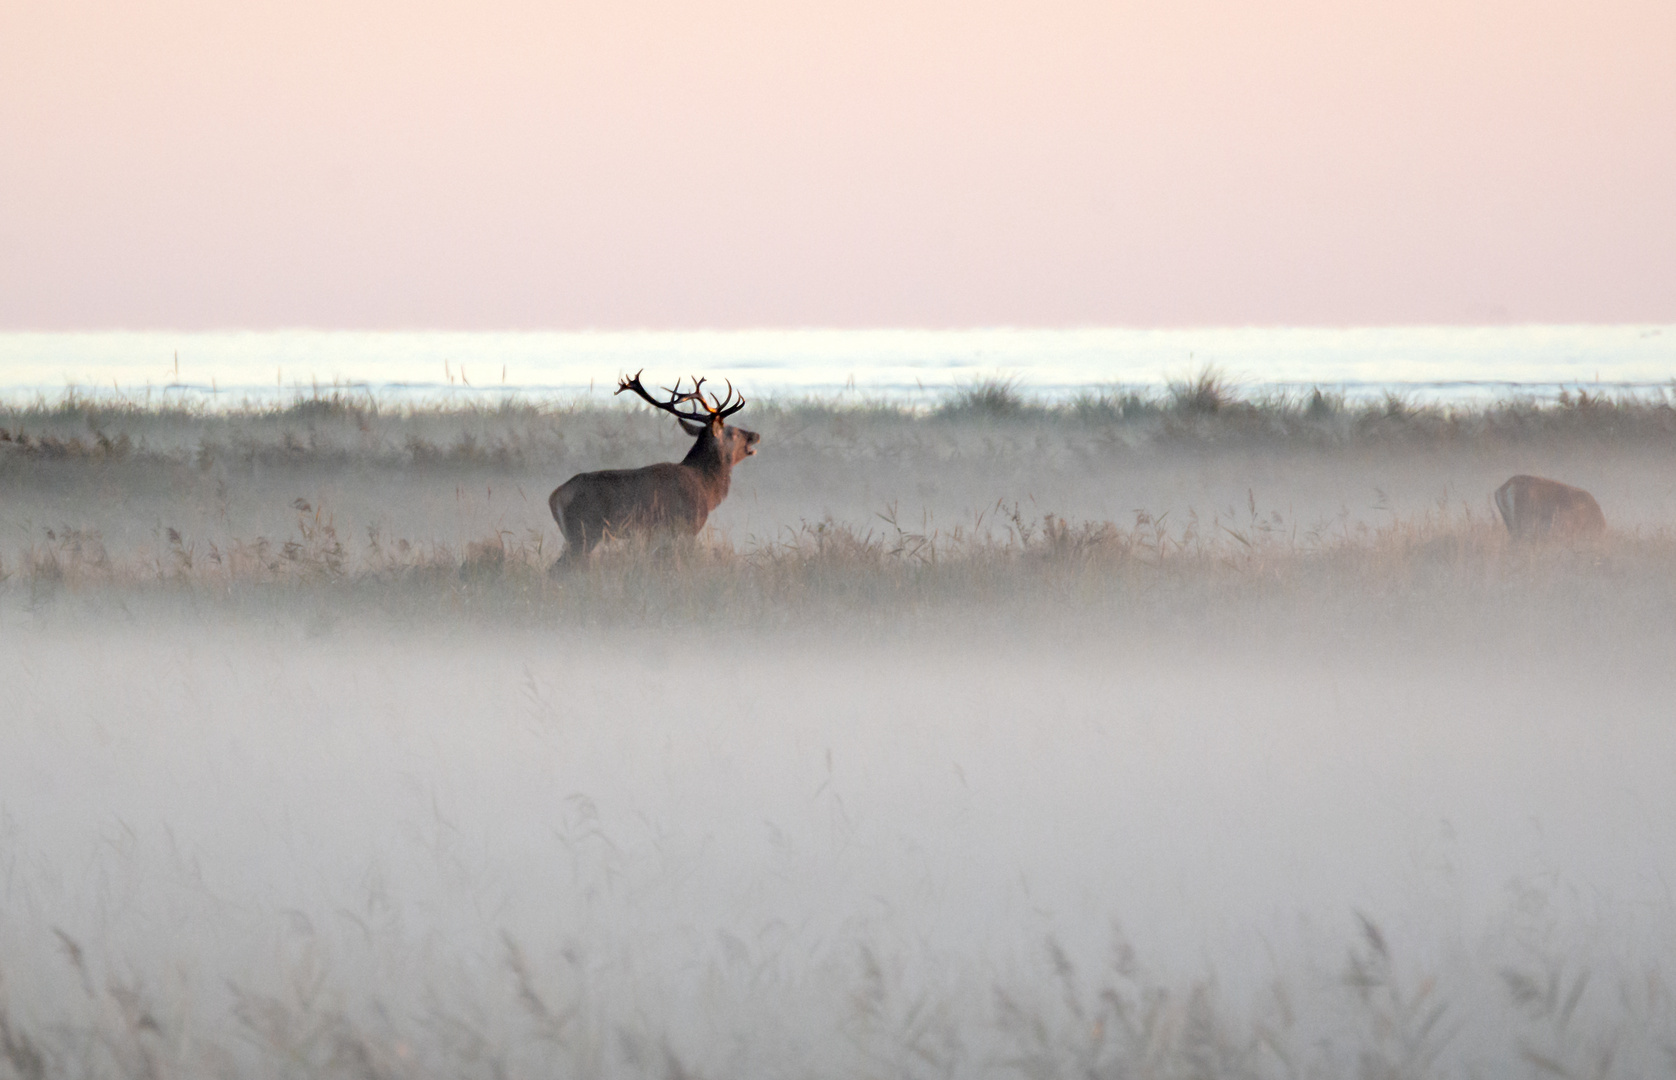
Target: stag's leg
569 559
677 543
662 546
572 519
579 543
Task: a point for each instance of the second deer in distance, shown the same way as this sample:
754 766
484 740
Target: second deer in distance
673 498
1538 509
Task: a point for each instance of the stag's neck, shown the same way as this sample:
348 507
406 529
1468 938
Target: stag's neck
706 459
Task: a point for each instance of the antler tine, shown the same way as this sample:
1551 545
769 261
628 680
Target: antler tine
698 397
723 408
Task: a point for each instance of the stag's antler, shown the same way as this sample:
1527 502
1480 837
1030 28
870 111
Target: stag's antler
721 409
676 397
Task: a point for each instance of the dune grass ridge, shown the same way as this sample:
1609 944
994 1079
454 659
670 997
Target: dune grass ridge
344 430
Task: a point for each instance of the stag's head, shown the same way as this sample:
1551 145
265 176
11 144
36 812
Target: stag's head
737 443
703 419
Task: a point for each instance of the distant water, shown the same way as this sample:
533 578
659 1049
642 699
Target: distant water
914 366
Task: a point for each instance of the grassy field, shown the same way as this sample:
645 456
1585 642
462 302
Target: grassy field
1178 737
447 479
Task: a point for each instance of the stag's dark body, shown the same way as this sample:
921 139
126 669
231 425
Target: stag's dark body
673 498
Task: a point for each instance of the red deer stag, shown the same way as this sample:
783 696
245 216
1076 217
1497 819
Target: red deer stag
666 498
1538 509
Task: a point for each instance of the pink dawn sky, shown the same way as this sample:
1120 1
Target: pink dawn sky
617 163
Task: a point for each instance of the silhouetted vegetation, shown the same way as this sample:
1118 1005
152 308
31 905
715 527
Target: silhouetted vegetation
1206 410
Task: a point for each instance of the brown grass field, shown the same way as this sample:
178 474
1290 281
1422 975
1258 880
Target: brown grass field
1182 736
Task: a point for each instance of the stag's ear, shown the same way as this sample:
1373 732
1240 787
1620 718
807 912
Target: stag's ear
695 430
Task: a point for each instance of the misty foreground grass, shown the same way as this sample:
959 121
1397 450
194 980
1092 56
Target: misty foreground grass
1000 740
237 847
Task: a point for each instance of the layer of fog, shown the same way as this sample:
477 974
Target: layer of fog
704 829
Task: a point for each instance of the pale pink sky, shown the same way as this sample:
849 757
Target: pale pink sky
618 163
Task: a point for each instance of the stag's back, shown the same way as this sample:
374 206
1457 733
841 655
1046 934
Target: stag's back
1535 509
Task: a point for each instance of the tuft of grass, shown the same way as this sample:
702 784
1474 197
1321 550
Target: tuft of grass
995 397
1323 407
1113 405
333 405
1204 393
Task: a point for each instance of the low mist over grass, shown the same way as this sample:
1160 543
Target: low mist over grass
454 474
1170 735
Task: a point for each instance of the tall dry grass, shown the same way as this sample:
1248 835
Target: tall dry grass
1006 564
1519 1002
